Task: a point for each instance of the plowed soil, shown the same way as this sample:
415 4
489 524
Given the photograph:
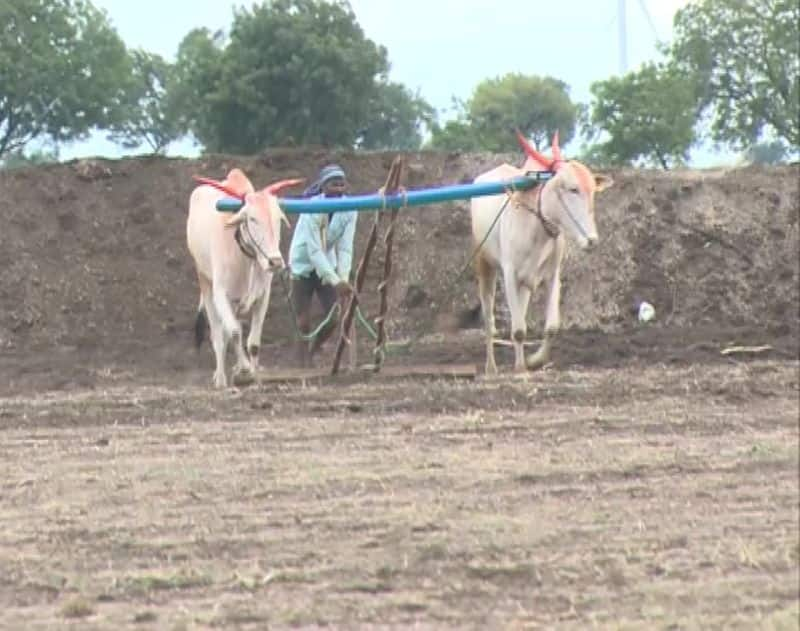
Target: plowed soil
646 479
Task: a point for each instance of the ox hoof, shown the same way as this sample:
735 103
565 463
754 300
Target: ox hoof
536 361
252 353
220 381
243 377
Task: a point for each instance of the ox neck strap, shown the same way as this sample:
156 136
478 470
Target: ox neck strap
246 248
549 226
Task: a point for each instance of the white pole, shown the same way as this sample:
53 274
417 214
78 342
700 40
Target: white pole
623 37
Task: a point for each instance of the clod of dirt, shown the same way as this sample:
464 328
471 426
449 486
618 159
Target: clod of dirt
91 170
415 296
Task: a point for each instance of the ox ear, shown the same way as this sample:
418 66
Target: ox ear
602 182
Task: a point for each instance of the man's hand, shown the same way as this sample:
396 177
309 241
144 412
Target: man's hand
343 289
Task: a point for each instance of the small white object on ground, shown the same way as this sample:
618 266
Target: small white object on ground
646 312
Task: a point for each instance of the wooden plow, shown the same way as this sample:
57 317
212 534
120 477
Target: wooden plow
347 332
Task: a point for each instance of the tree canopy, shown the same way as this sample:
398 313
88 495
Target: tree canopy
292 72
302 72
744 57
151 115
649 114
396 119
537 106
63 70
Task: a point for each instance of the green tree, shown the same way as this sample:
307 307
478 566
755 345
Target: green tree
196 89
537 106
292 72
152 116
396 119
22 158
455 135
773 152
63 71
649 114
744 56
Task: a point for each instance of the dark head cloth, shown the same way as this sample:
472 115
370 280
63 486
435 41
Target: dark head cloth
328 173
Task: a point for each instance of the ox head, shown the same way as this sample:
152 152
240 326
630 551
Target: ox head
259 220
567 199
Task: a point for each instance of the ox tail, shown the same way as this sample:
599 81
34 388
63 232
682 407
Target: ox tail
200 326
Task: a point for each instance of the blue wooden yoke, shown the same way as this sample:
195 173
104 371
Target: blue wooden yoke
420 197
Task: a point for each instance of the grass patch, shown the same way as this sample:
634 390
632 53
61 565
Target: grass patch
411 607
155 582
77 607
368 587
432 552
145 616
238 619
492 573
288 576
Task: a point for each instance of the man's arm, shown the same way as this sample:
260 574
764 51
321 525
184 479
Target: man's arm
317 255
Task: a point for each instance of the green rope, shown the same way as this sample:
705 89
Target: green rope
480 245
365 323
308 337
298 334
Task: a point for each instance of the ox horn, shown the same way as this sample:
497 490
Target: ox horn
532 153
219 186
238 218
277 187
276 207
556 149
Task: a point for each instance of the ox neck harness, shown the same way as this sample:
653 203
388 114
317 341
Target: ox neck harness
549 226
247 249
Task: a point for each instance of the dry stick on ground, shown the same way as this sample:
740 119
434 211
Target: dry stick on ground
746 349
392 183
383 287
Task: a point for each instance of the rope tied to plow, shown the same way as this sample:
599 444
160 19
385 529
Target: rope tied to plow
332 313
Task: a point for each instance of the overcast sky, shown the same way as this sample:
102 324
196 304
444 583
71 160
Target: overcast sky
444 48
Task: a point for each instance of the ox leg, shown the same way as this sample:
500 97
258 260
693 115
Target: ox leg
259 312
219 341
487 286
552 324
242 372
518 296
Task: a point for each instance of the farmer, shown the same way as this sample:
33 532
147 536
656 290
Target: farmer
320 258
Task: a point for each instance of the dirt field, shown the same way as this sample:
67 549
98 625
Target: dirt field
650 497
644 480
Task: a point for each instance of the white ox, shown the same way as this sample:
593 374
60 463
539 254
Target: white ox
235 257
527 243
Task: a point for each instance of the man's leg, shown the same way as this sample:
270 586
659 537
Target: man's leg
327 299
302 291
